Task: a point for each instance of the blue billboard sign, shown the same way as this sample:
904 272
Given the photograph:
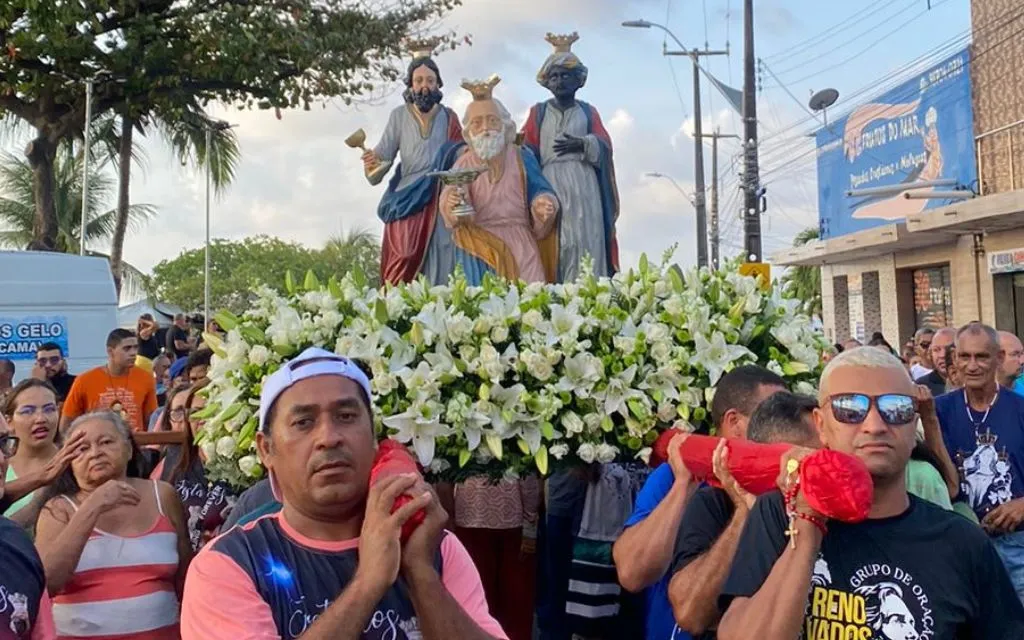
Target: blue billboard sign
20 337
920 131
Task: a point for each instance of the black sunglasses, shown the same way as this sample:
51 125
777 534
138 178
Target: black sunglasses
895 409
9 445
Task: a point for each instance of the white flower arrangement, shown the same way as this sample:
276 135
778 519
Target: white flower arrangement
504 377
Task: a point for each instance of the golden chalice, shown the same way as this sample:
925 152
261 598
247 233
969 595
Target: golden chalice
358 141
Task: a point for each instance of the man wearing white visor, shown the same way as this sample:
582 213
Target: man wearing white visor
331 564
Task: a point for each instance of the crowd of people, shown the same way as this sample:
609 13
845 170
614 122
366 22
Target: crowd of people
111 528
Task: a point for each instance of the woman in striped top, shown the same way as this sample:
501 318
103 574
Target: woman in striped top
114 546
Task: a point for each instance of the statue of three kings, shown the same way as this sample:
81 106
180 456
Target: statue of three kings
543 200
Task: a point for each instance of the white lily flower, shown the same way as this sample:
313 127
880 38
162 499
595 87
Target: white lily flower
716 356
505 308
582 372
620 391
421 425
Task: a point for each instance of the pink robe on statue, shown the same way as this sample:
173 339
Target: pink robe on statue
502 210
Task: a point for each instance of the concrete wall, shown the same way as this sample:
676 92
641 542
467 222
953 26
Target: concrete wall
997 79
895 311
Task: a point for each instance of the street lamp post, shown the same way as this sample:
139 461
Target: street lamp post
689 198
209 126
698 137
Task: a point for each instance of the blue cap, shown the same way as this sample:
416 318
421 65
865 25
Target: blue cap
177 368
312 362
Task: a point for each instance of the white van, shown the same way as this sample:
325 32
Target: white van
55 297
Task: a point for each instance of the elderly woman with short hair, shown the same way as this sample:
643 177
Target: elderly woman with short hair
114 546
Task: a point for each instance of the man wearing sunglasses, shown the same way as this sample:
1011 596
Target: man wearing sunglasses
52 367
25 608
643 552
911 570
983 427
715 517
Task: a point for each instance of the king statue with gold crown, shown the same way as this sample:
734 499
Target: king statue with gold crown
507 209
575 152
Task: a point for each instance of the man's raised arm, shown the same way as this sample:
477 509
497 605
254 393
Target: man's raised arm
644 550
695 587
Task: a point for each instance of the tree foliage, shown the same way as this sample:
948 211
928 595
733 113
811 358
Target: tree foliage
237 268
171 56
17 207
804 283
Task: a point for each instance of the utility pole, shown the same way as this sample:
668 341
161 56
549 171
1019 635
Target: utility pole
698 144
714 193
751 175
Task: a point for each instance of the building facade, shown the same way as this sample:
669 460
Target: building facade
895 264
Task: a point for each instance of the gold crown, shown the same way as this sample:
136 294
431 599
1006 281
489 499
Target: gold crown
482 89
987 438
562 43
422 47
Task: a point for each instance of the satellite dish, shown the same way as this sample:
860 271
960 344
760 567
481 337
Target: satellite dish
822 100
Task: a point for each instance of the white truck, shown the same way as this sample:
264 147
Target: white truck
55 297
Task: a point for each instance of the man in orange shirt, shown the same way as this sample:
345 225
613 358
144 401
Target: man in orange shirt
117 386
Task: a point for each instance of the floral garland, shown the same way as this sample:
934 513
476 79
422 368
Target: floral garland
508 377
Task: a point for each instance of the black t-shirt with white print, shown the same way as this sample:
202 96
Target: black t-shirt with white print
22 582
926 574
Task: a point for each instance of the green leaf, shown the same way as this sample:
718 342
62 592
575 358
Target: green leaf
312 283
644 265
206 412
252 335
547 430
793 368
334 288
380 311
289 282
677 281
247 433
607 424
494 444
226 320
541 460
358 277
232 411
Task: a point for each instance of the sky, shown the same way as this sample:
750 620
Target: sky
297 180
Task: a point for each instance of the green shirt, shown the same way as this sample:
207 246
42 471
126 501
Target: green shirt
925 482
20 504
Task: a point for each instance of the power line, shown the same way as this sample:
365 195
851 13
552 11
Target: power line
901 74
858 36
824 35
870 46
979 86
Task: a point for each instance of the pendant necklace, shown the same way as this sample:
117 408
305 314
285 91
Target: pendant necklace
978 440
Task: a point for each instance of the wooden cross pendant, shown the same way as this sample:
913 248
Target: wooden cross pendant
791 532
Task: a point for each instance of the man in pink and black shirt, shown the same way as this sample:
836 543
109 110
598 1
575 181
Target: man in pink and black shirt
331 564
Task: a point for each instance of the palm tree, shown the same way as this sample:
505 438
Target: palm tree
359 247
185 133
17 207
804 283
